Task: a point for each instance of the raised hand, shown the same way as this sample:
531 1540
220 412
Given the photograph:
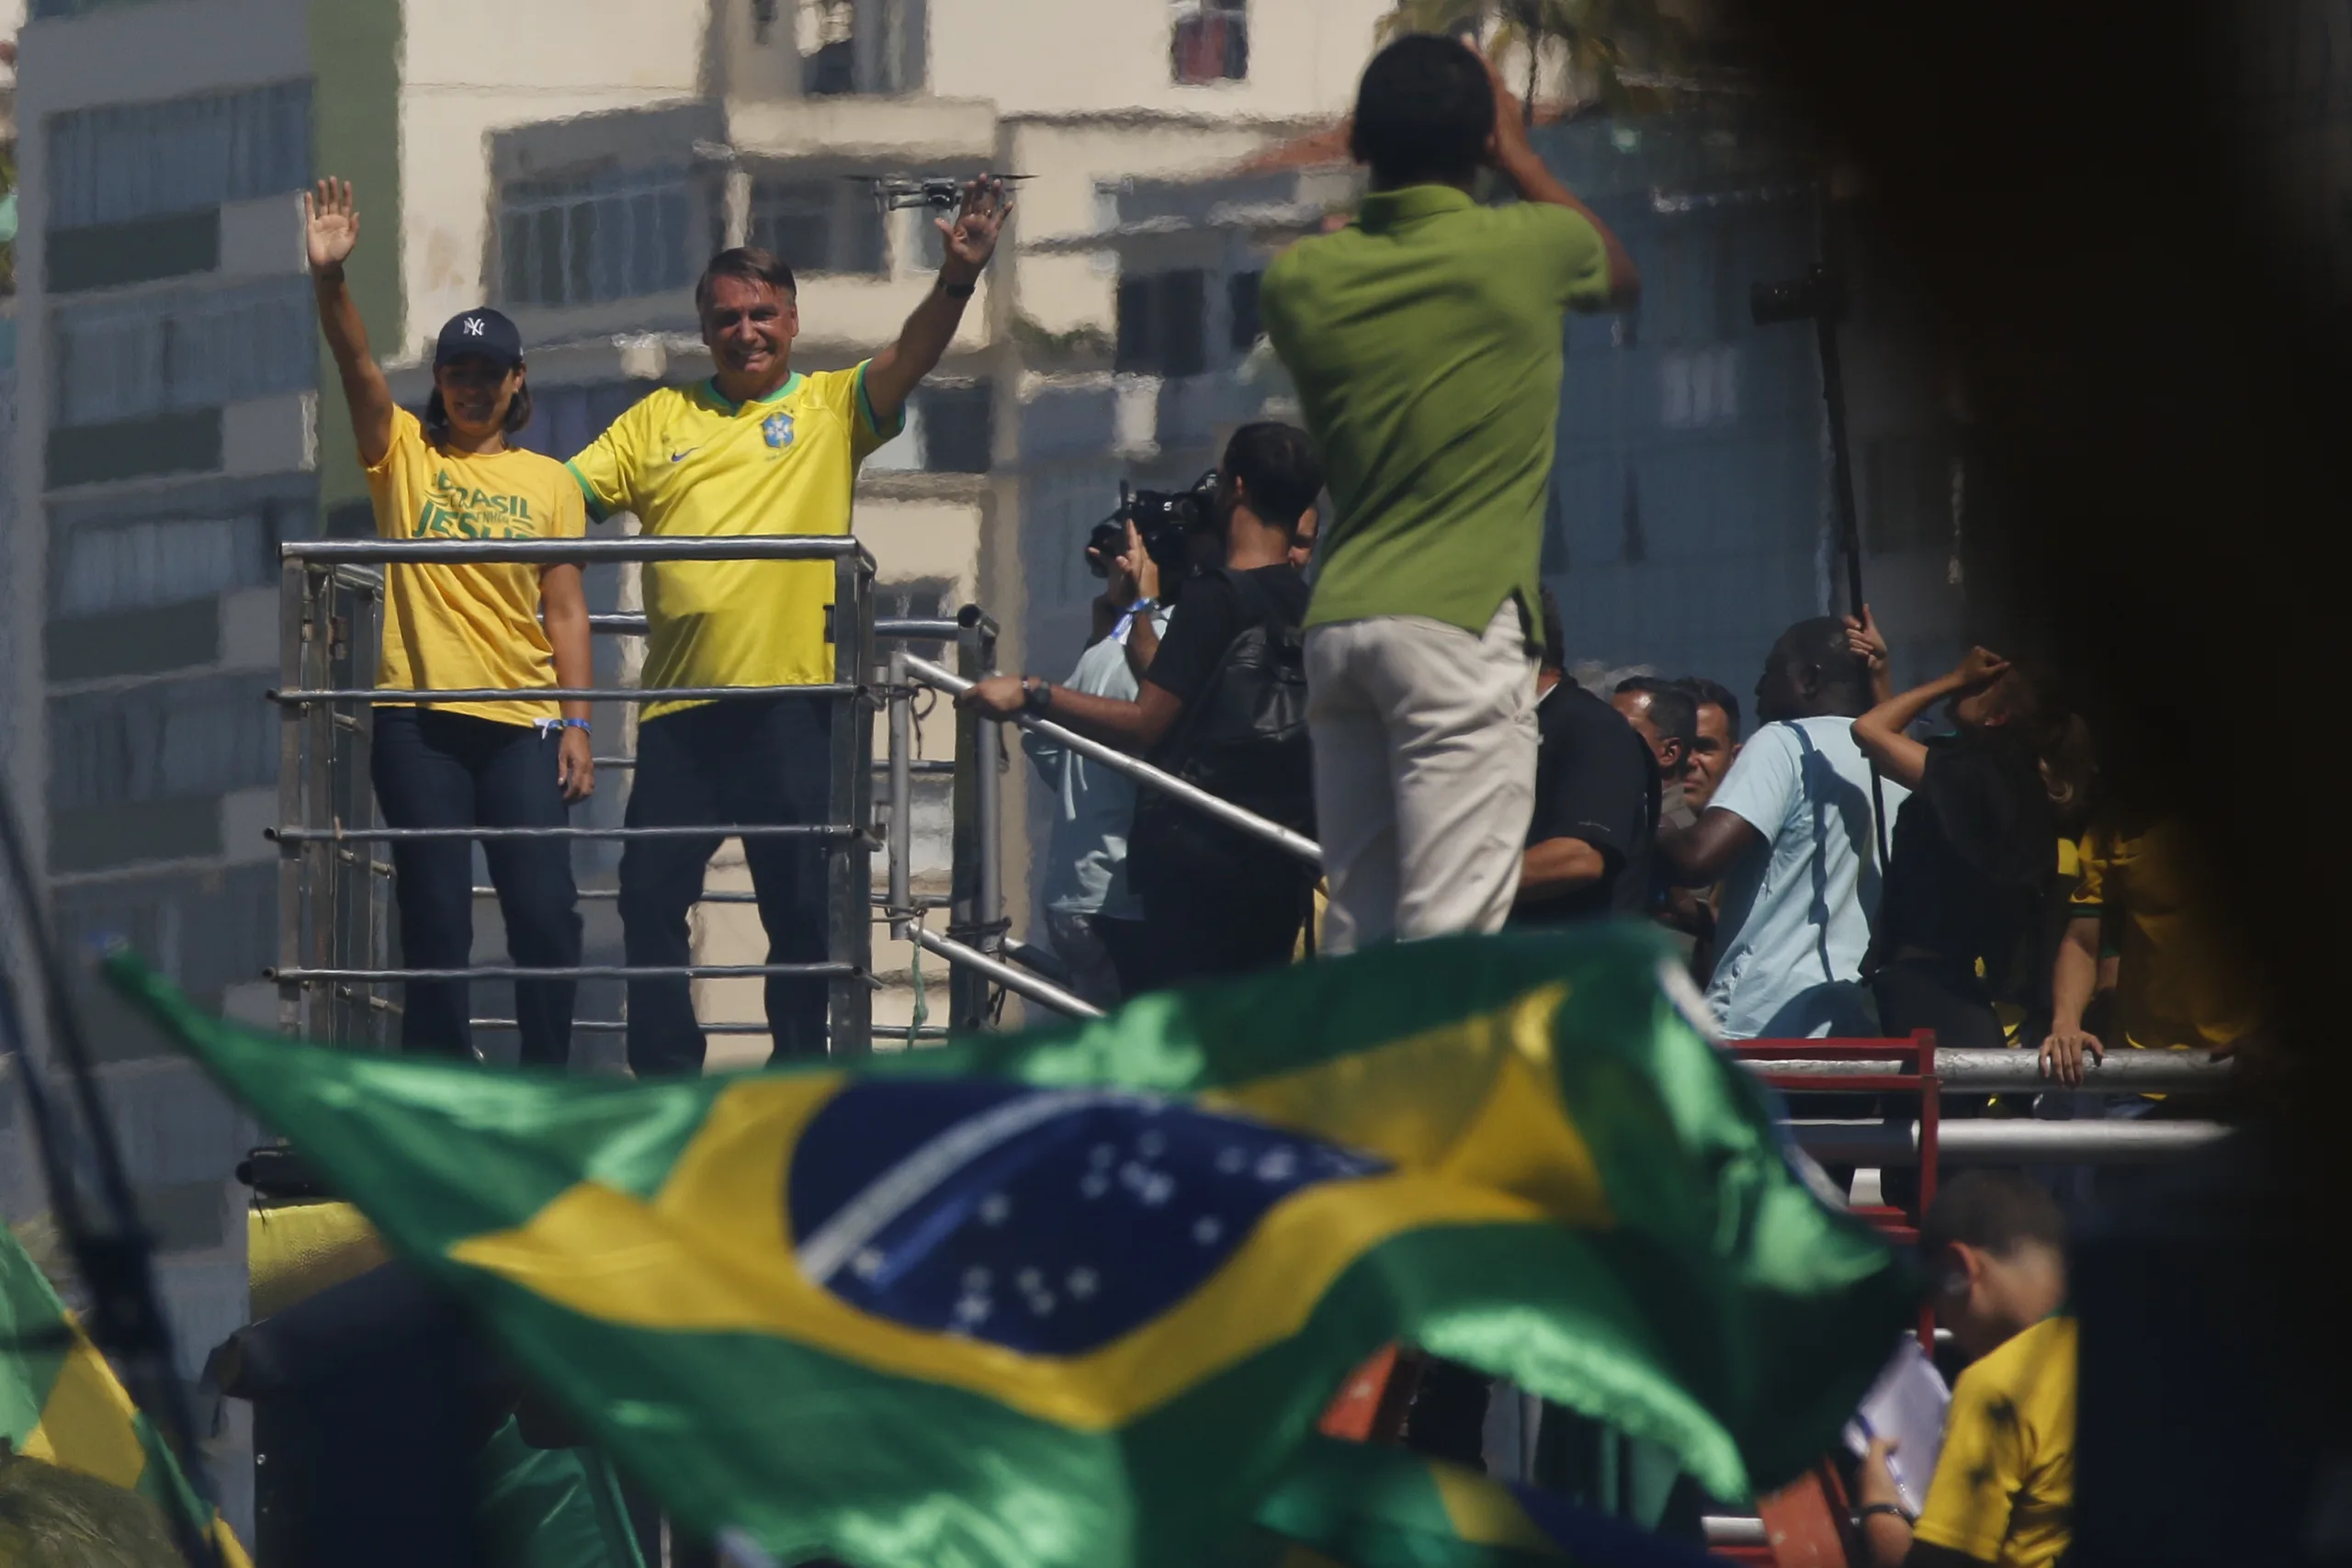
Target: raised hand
972 234
1980 667
330 225
1867 643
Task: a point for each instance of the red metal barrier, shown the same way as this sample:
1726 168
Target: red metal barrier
1914 1060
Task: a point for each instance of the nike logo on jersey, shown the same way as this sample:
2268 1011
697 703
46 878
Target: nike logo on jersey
682 456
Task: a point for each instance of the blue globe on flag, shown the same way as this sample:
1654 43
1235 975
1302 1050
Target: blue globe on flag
1046 1221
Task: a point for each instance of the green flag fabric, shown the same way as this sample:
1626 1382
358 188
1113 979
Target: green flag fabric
1073 1298
60 1402
1380 1507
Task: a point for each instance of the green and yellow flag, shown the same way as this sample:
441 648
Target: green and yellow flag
1073 1298
61 1403
1383 1507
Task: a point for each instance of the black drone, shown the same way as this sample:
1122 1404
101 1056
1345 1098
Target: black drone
940 193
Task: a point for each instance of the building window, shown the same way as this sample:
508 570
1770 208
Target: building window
1244 321
957 427
205 933
1210 42
1164 324
1698 389
126 160
565 419
185 350
174 740
923 598
136 565
818 225
610 234
828 47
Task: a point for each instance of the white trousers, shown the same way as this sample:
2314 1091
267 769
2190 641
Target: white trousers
1424 774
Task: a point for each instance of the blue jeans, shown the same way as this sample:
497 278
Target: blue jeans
714 766
450 770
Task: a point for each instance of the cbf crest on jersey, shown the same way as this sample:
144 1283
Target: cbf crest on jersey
778 430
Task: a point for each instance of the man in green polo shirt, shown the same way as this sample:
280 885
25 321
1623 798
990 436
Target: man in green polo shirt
1425 339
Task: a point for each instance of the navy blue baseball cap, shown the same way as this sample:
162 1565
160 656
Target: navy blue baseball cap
479 334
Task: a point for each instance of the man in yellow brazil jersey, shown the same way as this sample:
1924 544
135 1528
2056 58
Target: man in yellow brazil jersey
758 448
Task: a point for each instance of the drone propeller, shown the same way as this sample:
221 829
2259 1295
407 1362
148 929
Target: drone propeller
941 193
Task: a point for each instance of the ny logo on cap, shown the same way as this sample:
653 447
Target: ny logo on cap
473 326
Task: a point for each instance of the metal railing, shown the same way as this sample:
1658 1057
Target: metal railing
1143 772
334 929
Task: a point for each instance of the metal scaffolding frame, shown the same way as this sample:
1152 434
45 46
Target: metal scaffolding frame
332 933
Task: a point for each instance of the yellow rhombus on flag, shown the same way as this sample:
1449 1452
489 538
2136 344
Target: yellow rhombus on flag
61 1403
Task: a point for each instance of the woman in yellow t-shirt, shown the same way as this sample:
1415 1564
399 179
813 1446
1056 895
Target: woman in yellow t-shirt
473 762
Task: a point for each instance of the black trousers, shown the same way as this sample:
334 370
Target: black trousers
450 770
716 765
1219 921
1942 993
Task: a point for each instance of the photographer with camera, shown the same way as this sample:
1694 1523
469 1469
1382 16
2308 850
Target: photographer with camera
1093 919
1222 705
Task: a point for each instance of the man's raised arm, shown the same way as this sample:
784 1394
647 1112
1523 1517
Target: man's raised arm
893 374
1514 157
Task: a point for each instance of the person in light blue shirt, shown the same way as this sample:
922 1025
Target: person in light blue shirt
1792 834
1092 918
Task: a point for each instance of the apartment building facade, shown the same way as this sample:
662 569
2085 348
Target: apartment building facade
574 165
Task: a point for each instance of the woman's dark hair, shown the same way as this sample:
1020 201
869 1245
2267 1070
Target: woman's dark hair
1424 111
436 413
2038 718
749 263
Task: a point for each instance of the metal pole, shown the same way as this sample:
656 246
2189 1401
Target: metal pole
989 800
967 989
293 588
1986 1071
902 732
591 552
1020 981
1832 309
849 891
2005 1141
1118 761
319 1017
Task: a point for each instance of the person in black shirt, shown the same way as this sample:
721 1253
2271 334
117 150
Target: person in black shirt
1216 900
1595 804
1975 847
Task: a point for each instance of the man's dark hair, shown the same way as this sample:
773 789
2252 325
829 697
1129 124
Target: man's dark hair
749 263
437 414
1993 1211
1278 463
1821 643
1555 631
1424 111
1674 713
52 1517
1706 693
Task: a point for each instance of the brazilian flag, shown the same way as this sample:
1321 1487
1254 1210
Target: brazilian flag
61 1403
1073 1298
1382 1508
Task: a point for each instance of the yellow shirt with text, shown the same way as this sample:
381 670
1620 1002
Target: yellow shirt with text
690 464
455 627
2004 1488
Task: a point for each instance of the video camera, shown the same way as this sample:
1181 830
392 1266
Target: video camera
1163 518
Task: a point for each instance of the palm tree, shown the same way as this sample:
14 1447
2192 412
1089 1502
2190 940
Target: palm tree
1589 35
